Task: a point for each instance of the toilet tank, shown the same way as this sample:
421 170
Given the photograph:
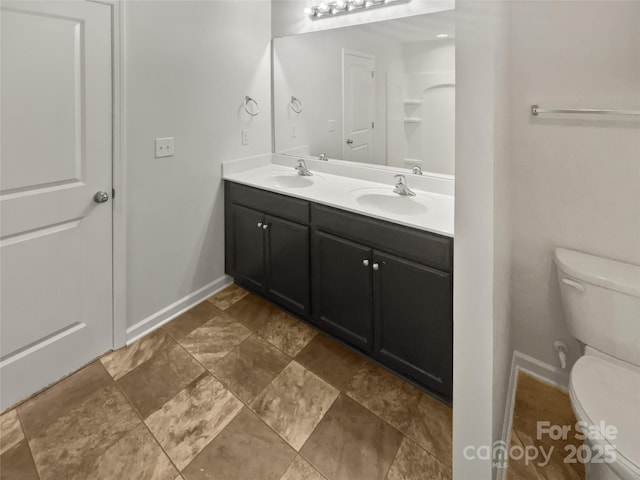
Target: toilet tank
601 299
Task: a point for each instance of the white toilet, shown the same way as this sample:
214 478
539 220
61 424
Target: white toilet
601 301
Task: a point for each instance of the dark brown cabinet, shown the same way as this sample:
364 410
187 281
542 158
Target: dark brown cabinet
342 289
267 254
287 264
382 288
248 241
413 320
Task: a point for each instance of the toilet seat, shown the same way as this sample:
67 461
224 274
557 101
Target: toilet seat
602 391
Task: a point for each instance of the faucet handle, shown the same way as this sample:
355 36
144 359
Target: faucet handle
400 179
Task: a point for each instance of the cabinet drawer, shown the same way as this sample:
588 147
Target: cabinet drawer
427 248
268 202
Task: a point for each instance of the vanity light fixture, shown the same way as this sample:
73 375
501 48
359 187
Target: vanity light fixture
339 7
442 35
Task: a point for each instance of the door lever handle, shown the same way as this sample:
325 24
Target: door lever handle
349 141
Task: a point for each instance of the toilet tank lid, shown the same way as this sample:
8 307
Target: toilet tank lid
619 276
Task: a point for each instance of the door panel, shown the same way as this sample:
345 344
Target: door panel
358 106
55 241
342 289
413 320
249 247
288 264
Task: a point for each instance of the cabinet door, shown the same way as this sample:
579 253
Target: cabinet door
288 264
342 286
414 320
248 244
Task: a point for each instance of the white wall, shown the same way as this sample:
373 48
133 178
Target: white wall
575 180
481 267
289 18
188 67
503 236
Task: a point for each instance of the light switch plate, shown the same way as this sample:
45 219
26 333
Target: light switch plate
332 126
245 136
165 147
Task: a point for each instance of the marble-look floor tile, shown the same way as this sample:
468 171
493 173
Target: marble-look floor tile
10 430
83 427
40 412
16 463
215 339
227 297
253 312
295 403
120 362
136 455
537 401
245 449
250 367
432 428
150 385
386 395
331 361
414 463
287 333
351 443
184 324
191 419
300 469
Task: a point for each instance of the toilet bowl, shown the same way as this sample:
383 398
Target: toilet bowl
601 300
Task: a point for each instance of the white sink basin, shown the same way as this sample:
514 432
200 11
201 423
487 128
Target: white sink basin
386 201
292 180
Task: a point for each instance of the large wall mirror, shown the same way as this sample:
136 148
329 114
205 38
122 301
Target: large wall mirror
380 93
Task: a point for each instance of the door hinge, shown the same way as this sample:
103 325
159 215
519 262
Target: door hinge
373 74
113 193
373 125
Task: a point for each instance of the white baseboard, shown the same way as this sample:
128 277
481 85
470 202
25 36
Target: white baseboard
537 368
178 307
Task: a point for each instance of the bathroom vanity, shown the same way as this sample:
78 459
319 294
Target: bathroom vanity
380 286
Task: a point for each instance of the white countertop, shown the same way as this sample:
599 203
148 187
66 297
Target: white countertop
341 191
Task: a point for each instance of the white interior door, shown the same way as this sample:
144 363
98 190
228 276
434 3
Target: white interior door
358 101
55 240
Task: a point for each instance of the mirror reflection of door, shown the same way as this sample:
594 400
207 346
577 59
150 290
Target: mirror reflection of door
358 105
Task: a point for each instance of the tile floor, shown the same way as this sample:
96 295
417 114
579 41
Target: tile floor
232 389
538 401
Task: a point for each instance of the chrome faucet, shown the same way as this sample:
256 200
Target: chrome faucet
417 170
302 169
323 157
402 188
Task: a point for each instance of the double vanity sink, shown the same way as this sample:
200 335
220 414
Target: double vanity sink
426 210
342 251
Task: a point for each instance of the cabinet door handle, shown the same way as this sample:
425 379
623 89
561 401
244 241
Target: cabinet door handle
259 224
265 226
365 262
375 266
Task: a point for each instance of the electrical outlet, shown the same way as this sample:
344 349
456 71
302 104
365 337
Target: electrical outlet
245 136
293 131
332 125
165 147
